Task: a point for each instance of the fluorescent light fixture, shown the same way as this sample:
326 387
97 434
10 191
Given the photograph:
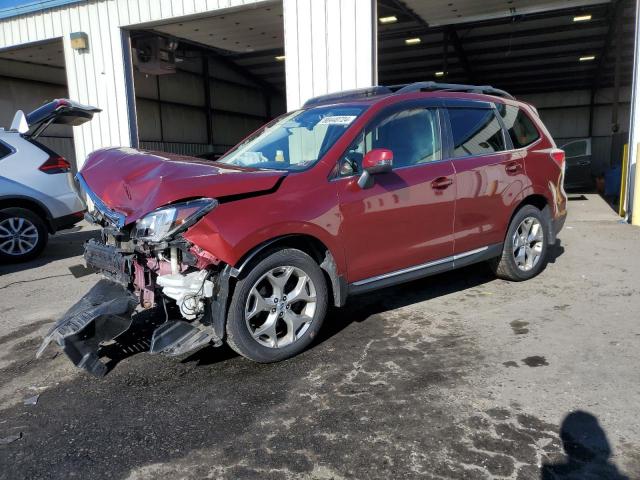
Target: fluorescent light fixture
582 18
389 19
412 41
439 74
280 58
587 58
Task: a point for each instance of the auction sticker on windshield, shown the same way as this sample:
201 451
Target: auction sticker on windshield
337 120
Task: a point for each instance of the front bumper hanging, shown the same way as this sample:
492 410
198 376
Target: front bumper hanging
101 315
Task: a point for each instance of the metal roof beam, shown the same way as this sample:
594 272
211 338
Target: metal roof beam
615 14
462 56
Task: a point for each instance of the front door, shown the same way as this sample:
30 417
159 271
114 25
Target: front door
406 218
577 163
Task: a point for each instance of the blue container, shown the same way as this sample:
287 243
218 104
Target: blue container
612 181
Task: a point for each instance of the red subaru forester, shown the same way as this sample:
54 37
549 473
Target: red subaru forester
354 192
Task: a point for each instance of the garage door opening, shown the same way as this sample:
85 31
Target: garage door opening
572 60
197 91
29 77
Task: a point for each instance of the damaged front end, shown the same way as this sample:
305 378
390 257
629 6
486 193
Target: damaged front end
147 266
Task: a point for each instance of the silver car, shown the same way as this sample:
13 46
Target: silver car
37 190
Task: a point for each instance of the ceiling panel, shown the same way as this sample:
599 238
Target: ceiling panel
249 30
446 12
49 53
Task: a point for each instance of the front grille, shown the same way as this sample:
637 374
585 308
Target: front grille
108 260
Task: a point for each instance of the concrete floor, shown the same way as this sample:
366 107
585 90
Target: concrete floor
455 376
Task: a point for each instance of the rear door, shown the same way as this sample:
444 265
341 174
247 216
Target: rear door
406 219
489 174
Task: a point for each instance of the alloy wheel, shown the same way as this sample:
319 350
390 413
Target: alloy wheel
18 236
528 241
280 306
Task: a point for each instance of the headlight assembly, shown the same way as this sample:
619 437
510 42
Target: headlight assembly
163 223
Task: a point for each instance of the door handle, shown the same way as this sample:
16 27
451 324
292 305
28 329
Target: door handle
441 183
513 167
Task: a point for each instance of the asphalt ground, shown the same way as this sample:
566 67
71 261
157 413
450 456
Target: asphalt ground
456 376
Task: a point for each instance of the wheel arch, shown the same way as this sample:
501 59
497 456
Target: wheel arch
30 204
308 244
541 203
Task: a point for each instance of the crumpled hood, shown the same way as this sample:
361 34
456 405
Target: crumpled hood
135 182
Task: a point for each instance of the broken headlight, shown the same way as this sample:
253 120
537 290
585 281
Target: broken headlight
163 223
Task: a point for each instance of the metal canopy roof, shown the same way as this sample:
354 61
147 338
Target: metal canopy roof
535 51
448 12
521 46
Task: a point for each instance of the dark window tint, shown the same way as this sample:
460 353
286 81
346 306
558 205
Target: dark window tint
412 135
521 129
475 132
579 148
4 150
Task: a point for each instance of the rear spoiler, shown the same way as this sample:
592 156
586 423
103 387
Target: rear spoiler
59 111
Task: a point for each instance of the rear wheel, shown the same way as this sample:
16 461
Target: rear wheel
524 253
278 308
23 234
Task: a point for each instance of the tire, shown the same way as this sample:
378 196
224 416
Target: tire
520 259
32 235
265 331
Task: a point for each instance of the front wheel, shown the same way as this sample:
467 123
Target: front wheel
278 308
524 253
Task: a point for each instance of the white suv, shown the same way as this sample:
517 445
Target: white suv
37 190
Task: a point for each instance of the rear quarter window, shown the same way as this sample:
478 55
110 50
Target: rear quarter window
475 131
521 128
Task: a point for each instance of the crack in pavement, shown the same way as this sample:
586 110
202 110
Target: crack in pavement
18 282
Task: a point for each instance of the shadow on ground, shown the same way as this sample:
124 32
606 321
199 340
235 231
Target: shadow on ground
587 451
66 244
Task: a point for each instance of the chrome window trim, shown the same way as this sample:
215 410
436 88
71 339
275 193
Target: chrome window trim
433 263
115 218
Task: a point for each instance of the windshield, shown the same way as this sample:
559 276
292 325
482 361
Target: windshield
296 141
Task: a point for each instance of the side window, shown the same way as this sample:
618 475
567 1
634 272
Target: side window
412 135
475 131
521 128
4 150
579 148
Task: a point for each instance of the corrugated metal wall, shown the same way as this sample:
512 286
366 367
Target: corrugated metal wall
171 109
322 57
25 87
97 76
327 56
566 116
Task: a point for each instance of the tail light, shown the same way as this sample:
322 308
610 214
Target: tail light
55 164
557 156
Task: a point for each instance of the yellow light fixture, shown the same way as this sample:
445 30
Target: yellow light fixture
582 18
280 58
412 41
439 74
587 58
389 19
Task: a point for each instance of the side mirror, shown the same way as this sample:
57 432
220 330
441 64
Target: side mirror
378 160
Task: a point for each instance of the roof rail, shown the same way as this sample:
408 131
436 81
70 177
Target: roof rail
349 94
450 87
